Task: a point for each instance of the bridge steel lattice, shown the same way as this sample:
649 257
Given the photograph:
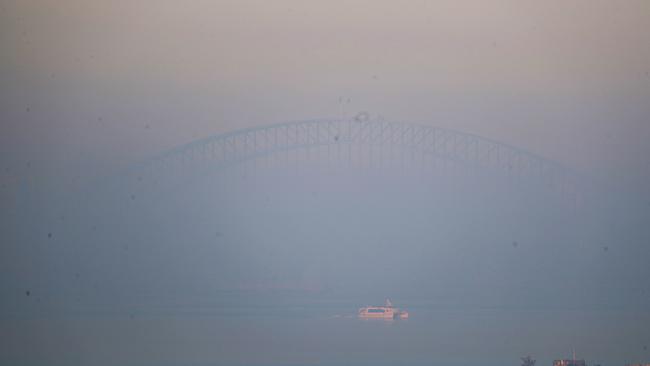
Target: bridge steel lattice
459 148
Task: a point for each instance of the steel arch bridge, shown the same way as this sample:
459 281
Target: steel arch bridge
464 149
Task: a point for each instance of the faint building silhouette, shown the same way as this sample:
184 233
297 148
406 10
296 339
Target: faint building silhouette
527 361
573 362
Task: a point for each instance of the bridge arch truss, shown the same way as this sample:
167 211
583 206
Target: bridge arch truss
468 150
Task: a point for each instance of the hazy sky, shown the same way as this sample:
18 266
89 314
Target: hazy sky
88 88
567 79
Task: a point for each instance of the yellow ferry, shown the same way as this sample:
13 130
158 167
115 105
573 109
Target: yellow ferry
383 312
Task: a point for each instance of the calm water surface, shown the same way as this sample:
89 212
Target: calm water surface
321 334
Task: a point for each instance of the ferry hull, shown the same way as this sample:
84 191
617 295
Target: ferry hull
382 312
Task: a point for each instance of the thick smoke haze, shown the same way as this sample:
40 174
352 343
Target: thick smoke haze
108 258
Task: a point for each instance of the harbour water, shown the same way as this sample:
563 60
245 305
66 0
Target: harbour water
323 333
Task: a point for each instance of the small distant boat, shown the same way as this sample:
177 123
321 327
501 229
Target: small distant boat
383 312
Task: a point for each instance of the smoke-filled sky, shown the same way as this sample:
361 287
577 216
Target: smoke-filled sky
90 88
568 80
